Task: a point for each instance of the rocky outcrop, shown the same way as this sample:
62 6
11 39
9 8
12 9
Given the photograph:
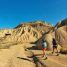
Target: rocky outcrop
61 23
60 33
40 26
61 36
14 43
31 32
23 33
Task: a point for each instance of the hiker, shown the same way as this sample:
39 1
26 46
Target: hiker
44 47
54 46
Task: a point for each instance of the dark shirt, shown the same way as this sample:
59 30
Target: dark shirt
54 42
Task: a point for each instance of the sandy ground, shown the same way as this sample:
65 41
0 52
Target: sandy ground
53 60
8 58
15 57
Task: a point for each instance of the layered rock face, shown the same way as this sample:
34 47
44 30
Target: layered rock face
17 40
62 23
20 34
60 34
24 33
40 26
32 31
14 42
61 31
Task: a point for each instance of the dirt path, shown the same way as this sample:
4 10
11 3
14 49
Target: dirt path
52 61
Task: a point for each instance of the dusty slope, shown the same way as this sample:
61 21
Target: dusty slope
40 26
15 57
20 34
53 60
27 33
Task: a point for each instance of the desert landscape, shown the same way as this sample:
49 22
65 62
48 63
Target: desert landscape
20 46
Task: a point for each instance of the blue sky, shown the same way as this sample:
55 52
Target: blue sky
13 12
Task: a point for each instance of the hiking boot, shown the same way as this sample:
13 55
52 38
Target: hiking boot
52 52
45 58
57 54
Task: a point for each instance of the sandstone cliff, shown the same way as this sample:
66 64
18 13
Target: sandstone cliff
24 33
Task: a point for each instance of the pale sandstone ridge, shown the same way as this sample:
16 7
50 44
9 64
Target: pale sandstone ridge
40 26
61 36
32 31
25 32
62 23
14 42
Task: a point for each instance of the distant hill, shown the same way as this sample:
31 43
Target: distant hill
40 26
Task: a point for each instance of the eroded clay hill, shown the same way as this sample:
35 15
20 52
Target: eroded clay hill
61 34
24 33
17 40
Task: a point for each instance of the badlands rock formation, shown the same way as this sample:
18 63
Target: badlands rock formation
25 32
61 34
14 42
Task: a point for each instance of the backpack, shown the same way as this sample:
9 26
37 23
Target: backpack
44 45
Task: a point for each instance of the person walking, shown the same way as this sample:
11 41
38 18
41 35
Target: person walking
44 48
54 46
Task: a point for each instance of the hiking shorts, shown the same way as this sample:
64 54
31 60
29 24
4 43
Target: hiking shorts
54 46
44 48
